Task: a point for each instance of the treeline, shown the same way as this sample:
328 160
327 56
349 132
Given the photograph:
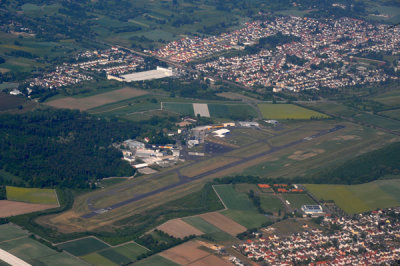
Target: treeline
48 148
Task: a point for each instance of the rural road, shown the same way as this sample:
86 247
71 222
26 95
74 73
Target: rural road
185 180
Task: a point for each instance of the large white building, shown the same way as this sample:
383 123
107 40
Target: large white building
158 73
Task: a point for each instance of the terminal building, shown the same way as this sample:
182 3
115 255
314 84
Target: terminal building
312 209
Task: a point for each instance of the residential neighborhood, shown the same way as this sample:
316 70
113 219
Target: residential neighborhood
365 239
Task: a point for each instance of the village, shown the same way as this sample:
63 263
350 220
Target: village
368 238
112 61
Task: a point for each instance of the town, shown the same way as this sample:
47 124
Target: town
324 53
364 239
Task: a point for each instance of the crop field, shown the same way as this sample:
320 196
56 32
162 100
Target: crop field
32 195
189 252
12 208
210 230
360 198
33 252
115 257
178 228
297 200
98 260
8 101
223 223
288 111
96 100
156 260
130 250
83 246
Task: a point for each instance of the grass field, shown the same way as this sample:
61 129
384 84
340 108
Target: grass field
296 200
115 256
83 246
360 198
287 111
232 111
391 98
240 208
32 195
181 108
96 100
130 250
155 260
17 242
395 114
269 203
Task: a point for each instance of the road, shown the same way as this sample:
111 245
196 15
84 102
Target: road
184 180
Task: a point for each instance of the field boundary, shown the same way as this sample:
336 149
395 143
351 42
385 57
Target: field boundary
223 203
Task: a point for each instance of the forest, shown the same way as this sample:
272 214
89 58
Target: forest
48 148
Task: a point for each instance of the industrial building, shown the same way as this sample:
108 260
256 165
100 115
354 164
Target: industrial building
158 73
312 209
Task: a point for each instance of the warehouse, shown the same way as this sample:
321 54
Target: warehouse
158 73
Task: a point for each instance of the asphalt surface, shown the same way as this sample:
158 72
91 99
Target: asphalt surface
184 180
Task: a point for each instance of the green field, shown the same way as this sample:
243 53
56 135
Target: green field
395 114
297 200
391 98
181 108
32 195
155 260
269 203
33 252
378 121
127 252
288 111
240 208
83 246
360 198
98 260
201 224
8 231
232 111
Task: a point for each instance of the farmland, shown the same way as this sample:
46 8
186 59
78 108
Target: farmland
190 252
360 198
11 208
10 102
288 111
211 231
96 100
83 246
178 228
17 242
32 195
156 260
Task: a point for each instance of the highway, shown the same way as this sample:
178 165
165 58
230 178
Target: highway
184 180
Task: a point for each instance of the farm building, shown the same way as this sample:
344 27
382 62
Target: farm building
312 209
